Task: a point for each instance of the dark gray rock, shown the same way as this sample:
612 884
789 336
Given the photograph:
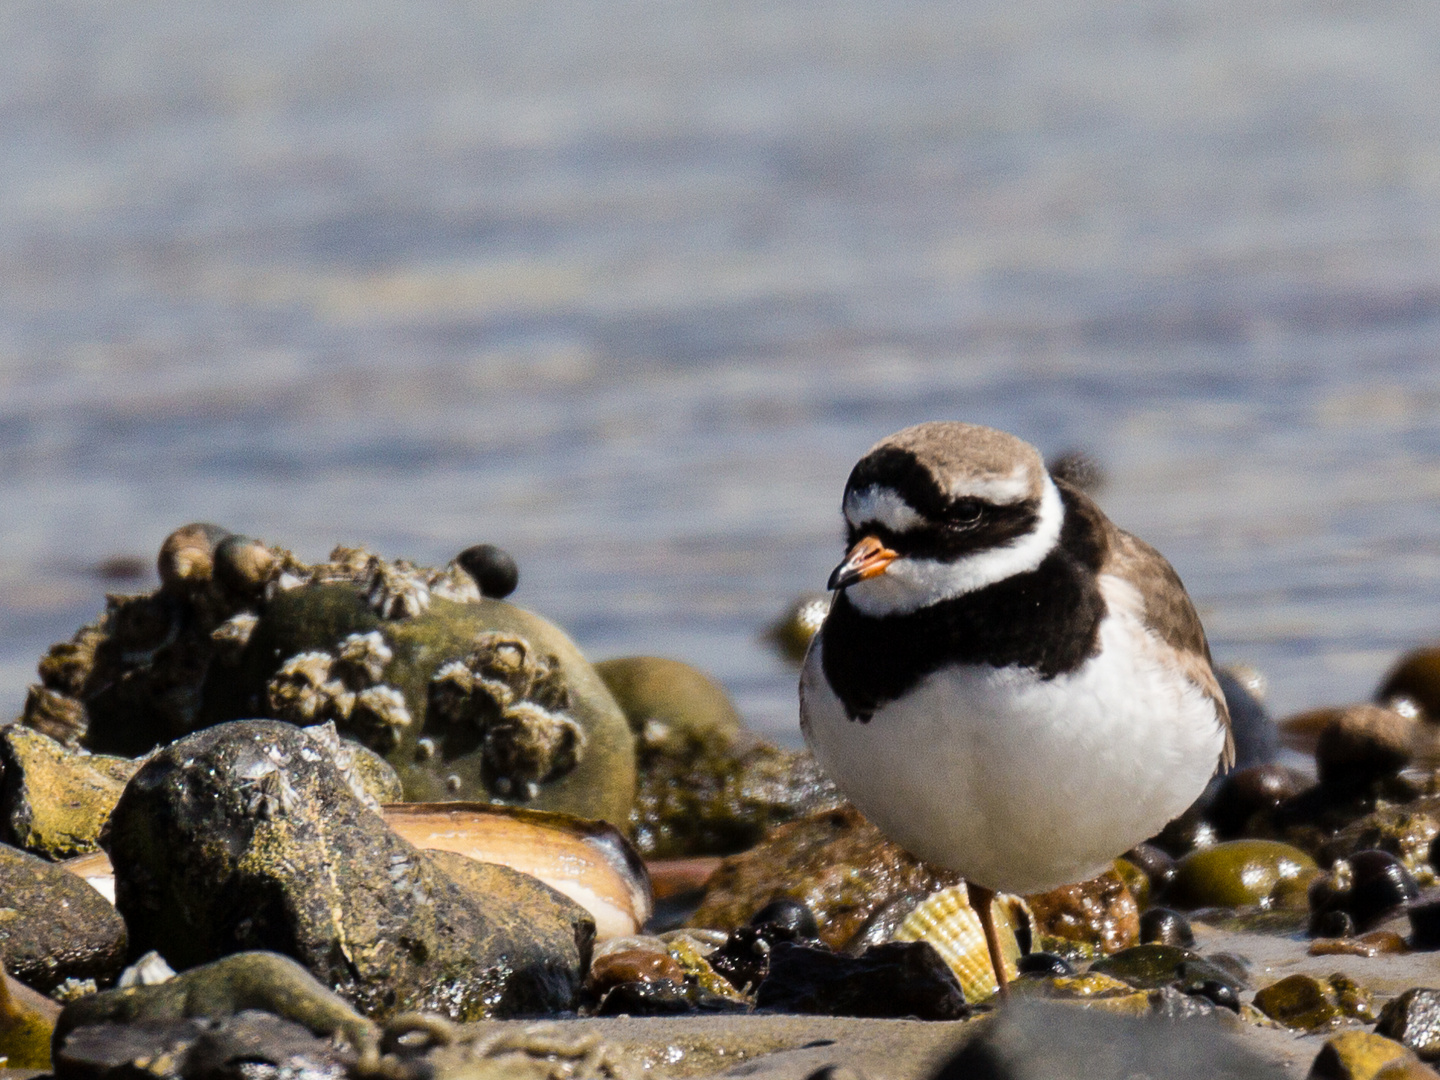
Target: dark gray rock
1039 1041
897 979
1413 1019
245 836
54 926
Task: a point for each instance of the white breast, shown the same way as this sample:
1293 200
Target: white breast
1020 782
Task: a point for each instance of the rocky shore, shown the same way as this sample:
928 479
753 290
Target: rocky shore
364 819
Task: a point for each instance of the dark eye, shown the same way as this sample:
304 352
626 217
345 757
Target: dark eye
966 512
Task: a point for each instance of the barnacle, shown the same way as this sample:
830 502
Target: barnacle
361 660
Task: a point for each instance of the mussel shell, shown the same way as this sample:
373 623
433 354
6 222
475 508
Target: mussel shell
589 861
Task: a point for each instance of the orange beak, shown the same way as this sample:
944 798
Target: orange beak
866 559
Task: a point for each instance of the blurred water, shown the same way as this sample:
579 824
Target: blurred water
627 287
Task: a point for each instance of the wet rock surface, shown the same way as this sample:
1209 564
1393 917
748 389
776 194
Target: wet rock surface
835 863
1100 913
245 836
27 1023
55 799
54 926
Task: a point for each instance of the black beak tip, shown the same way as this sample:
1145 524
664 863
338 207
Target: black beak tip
838 578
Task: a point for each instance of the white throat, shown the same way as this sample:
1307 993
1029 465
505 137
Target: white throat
910 584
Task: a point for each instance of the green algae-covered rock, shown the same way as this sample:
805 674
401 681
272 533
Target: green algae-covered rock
1150 967
53 799
1299 1001
27 1021
246 836
670 704
1357 1055
1241 873
467 700
248 980
53 925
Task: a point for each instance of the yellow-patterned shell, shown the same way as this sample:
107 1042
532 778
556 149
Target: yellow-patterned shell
947 921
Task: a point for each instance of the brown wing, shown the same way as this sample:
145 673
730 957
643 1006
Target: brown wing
1170 615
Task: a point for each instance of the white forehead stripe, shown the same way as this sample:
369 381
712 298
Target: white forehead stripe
1000 490
882 506
909 584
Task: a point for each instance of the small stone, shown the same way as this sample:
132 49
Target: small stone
1368 886
492 568
1150 967
1045 963
1356 1055
1413 1019
1238 873
1218 993
1364 743
1257 740
1246 792
790 915
634 965
1157 865
1375 943
1161 926
1299 1001
898 979
54 926
1101 912
1415 677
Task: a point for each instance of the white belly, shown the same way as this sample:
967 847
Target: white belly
1021 783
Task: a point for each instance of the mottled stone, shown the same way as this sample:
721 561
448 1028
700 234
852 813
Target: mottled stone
1413 1019
54 926
1364 743
245 836
1101 912
54 799
835 863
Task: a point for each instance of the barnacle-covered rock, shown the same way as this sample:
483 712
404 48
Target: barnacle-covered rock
477 700
54 800
836 863
246 836
54 926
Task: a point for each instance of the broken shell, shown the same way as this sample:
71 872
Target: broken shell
96 869
946 920
589 861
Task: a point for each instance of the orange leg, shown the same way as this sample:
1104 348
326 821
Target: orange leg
983 901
